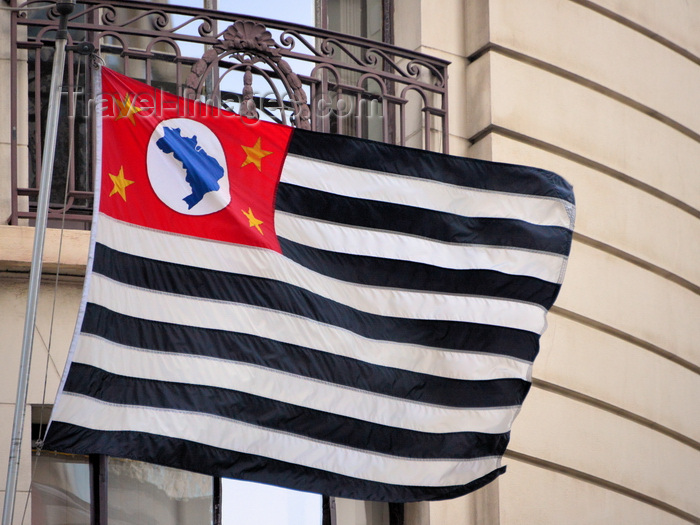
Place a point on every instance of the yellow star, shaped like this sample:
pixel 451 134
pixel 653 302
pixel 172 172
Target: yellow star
pixel 120 183
pixel 252 221
pixel 255 155
pixel 127 108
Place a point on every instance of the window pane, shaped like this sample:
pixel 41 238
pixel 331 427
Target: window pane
pixel 153 495
pixel 60 490
pixel 353 512
pixel 356 17
pixel 299 11
pixel 257 504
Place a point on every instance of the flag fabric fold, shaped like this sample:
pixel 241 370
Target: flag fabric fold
pixel 312 311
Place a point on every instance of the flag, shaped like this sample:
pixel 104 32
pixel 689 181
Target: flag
pixel 313 311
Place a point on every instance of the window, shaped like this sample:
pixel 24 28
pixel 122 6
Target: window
pixel 61 492
pixel 70 489
pixel 366 18
pixel 353 512
pixel 150 494
pixel 64 485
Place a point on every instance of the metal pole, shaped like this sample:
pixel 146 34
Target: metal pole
pixel 64 8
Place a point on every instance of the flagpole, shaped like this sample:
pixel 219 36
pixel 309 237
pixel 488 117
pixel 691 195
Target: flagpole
pixel 64 8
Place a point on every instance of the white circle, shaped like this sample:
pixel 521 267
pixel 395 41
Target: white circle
pixel 167 174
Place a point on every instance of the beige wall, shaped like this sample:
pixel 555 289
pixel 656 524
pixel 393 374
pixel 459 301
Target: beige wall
pixel 57 311
pixel 5 130
pixel 605 93
pixel 45 368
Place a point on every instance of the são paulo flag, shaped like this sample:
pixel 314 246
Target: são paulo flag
pixel 313 311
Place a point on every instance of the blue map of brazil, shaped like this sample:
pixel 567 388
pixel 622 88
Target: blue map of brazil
pixel 203 171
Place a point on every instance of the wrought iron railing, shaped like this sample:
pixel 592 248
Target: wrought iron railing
pixel 297 75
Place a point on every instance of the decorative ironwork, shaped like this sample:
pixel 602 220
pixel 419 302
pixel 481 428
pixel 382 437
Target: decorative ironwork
pixel 250 42
pixel 307 77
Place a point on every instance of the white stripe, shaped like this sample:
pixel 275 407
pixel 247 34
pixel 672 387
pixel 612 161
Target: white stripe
pixel 259 262
pixel 289 388
pixel 421 193
pixel 254 261
pixel 233 435
pixel 390 245
pixel 247 320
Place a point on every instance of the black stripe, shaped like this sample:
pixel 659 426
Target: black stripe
pixel 285 357
pixel 374 271
pixel 276 295
pixel 434 225
pixel 473 173
pixel 282 417
pixel 214 461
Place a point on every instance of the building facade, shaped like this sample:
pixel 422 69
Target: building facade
pixel 603 92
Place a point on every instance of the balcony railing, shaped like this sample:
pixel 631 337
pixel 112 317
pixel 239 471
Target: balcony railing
pixel 273 70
